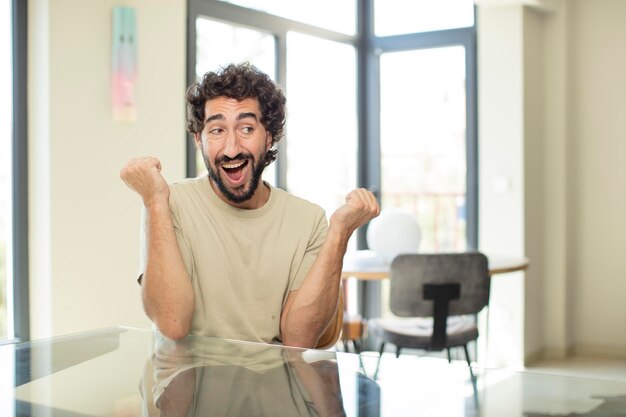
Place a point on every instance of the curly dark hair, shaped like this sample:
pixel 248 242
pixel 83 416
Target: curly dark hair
pixel 239 82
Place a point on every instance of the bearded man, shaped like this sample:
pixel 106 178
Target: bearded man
pixel 227 254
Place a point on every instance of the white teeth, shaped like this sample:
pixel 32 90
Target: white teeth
pixel 233 165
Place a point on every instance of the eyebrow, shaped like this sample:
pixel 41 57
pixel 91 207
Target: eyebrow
pixel 247 115
pixel 240 116
pixel 218 116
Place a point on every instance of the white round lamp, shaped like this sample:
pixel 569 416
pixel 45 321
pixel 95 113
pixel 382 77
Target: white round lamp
pixel 393 232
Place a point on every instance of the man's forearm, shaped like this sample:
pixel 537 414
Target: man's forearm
pixel 309 312
pixel 314 306
pixel 166 288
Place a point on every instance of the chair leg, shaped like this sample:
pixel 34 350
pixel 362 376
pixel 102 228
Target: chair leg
pixel 380 356
pixel 473 378
pixel 449 357
pixel 469 365
pixel 398 352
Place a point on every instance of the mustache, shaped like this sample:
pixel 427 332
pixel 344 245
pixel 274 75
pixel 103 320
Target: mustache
pixel 240 156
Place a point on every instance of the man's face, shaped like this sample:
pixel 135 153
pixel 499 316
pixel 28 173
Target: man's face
pixel 233 144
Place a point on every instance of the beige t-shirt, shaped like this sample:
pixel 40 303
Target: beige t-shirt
pixel 243 263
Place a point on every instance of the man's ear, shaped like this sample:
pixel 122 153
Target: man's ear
pixel 197 138
pixel 268 142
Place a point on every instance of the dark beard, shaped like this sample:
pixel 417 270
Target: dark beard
pixel 257 171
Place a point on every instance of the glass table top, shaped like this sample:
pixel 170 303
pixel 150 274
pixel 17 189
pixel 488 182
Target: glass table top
pixel 123 372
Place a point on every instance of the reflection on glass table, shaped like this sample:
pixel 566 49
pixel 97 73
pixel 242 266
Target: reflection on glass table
pixel 229 378
pixel 129 372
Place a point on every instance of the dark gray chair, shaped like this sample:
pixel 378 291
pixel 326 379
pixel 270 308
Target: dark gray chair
pixel 443 288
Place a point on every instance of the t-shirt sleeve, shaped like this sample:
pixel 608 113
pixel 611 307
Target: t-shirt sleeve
pixel 315 242
pixel 183 244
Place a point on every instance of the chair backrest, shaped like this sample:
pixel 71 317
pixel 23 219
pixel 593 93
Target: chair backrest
pixel 409 273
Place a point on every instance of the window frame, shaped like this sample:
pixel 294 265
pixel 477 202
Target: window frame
pixel 256 20
pixel 368 49
pixel 371 47
pixel 465 37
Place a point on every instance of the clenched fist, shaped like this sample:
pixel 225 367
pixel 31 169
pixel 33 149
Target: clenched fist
pixel 361 207
pixel 143 175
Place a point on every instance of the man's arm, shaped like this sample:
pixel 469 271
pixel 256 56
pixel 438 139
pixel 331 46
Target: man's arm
pixel 311 309
pixel 167 293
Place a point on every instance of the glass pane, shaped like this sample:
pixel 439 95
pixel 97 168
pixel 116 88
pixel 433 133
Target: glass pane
pixel 322 125
pixel 6 123
pixel 423 148
pixel 395 17
pixel 336 15
pixel 219 44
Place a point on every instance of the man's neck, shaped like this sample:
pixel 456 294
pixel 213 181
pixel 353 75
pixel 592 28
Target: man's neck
pixel 258 200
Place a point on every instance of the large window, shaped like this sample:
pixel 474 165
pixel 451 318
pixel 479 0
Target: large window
pixel 316 69
pixel 321 124
pixel 423 142
pixel 380 94
pixel 427 141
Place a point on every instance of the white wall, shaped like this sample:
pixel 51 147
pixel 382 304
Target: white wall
pixel 535 172
pixel 597 136
pixel 551 98
pixel 501 171
pixel 84 221
pixel 551 332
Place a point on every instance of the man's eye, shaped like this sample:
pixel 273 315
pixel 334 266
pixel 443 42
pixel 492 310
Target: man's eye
pixel 247 129
pixel 216 131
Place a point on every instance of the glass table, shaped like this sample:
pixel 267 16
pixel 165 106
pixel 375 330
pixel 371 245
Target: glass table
pixel 123 372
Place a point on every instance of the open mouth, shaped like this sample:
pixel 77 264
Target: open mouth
pixel 235 170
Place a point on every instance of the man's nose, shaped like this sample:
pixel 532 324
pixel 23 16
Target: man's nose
pixel 232 147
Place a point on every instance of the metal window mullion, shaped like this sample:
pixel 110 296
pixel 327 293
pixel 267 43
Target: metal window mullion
pixel 368 164
pixel 281 77
pixel 20 174
pixel 423 40
pixel 471 97
pixel 192 12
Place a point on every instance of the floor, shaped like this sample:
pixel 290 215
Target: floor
pixel 608 369
pixel 599 389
